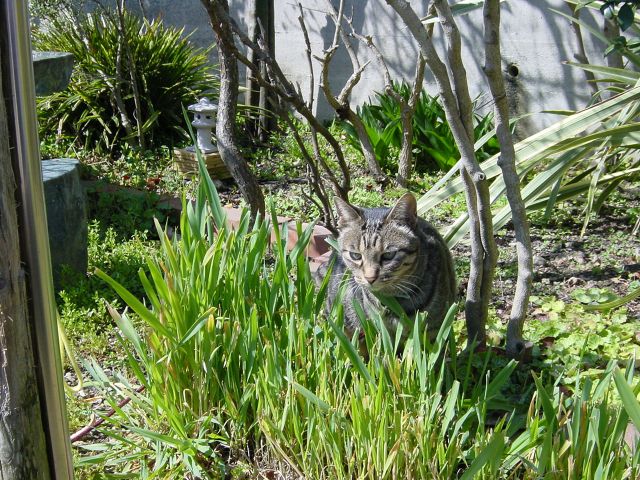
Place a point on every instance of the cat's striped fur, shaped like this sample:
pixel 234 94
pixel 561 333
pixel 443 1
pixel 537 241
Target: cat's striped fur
pixel 393 252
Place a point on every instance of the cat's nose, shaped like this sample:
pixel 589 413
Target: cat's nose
pixel 371 278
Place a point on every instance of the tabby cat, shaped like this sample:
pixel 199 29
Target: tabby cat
pixel 392 252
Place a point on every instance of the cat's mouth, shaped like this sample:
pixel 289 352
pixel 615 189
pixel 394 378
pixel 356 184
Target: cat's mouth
pixel 379 285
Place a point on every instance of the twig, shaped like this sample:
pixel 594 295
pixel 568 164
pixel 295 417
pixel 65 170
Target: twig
pixel 84 431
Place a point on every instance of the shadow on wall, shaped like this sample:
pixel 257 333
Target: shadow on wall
pixel 535 43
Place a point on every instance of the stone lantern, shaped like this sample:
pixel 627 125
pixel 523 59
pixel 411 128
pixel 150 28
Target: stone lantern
pixel 204 122
pixel 186 159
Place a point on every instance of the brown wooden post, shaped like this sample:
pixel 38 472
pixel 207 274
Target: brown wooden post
pixel 34 440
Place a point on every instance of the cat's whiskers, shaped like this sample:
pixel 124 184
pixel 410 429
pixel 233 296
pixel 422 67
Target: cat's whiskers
pixel 406 289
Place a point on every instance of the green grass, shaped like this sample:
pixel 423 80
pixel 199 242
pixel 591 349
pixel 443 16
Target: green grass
pixel 242 371
pixel 81 299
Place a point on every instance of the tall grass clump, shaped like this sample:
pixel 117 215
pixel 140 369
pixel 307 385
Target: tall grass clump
pixel 233 362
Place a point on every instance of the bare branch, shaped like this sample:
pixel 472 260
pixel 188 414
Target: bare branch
pixel 278 83
pixel 454 58
pixel 407 106
pixel 341 102
pixel 307 43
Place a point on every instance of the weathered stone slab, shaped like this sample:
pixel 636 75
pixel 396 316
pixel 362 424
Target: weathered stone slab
pixel 66 215
pixel 51 71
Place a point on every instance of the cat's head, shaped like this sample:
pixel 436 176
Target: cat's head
pixel 379 245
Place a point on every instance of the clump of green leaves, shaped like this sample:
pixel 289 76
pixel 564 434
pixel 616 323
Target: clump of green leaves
pixel 127 211
pixel 433 143
pixel 578 339
pixel 168 70
pixel 622 11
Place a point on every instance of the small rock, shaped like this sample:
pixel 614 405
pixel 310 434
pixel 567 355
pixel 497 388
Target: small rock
pixel 558 247
pixel 539 261
pixel 573 281
pixel 573 245
pixel 546 281
pixel 580 258
pixel 631 436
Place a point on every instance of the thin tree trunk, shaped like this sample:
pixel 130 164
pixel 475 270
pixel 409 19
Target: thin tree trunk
pixel 225 124
pixel 516 347
pixel 458 109
pixel 23 454
pixel 117 92
pixel 133 76
pixel 611 30
pixel 408 109
pixel 260 24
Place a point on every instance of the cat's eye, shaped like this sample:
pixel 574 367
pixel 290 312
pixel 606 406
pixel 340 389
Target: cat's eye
pixel 388 255
pixel 355 256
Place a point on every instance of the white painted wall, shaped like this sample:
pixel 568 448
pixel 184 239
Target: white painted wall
pixel 534 39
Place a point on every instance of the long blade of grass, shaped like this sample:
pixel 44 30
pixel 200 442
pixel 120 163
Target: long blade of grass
pixel 628 397
pixel 136 305
pixel 310 396
pixel 489 455
pixel 618 302
pixel 622 75
pixel 351 352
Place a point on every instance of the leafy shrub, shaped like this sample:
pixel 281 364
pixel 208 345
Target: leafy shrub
pixel 433 143
pixel 169 71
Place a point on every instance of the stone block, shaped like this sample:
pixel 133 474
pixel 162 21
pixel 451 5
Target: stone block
pixel 65 201
pixel 51 71
pixel 187 163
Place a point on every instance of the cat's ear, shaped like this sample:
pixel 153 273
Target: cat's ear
pixel 404 211
pixel 347 214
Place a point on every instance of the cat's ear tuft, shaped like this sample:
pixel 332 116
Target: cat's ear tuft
pixel 347 213
pixel 405 210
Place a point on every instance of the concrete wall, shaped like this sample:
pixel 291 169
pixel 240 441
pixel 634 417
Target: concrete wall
pixel 535 43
